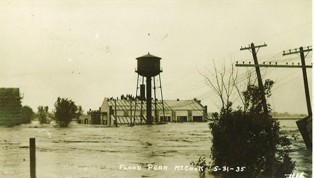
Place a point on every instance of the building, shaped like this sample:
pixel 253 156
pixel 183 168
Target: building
pixel 92 117
pixel 10 106
pixel 130 111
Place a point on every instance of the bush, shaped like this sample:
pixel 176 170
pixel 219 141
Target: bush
pixel 250 140
pixel 43 114
pixel 65 111
pixel 27 114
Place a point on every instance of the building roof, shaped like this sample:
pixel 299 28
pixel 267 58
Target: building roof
pixel 184 104
pixel 126 104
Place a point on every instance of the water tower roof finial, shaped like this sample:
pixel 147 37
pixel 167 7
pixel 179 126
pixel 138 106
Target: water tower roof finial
pixel 149 56
pixel 148 65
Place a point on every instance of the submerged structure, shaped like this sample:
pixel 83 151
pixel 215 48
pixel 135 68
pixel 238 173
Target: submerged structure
pixel 10 106
pixel 122 111
pixel 145 108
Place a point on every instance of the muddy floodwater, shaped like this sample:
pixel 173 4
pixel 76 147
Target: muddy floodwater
pixel 84 151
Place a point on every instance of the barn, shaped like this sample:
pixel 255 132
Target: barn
pixel 131 111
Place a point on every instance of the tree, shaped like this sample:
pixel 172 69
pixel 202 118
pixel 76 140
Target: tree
pixel 253 99
pixel 65 111
pixel 27 114
pixel 222 85
pixel 247 137
pixel 43 114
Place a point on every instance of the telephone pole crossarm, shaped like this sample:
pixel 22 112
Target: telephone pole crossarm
pixel 250 47
pixel 272 65
pixel 297 51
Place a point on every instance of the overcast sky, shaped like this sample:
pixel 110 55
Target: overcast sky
pixel 86 50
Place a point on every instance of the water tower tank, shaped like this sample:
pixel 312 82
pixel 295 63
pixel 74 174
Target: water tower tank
pixel 148 65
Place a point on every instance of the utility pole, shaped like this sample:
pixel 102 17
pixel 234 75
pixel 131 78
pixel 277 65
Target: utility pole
pixel 305 124
pixel 252 48
pixel 306 85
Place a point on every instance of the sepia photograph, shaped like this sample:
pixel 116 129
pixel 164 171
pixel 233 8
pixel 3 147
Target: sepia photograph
pixel 156 89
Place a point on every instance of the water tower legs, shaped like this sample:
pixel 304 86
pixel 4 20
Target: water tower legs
pixel 149 100
pixel 149 66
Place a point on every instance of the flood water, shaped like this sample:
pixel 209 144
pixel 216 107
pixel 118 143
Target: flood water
pixel 84 151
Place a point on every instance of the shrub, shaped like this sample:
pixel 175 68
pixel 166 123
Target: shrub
pixel 27 114
pixel 252 141
pixel 65 111
pixel 43 114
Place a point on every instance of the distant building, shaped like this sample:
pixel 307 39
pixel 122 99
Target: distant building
pixel 92 117
pixel 127 111
pixel 84 119
pixel 10 106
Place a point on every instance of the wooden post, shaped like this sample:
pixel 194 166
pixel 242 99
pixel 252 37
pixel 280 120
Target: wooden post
pixel 115 113
pixel 131 113
pixel 162 102
pixel 32 155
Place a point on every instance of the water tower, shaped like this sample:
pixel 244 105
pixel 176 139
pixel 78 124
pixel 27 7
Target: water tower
pixel 148 66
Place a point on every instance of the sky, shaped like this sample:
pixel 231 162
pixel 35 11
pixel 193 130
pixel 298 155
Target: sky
pixel 86 50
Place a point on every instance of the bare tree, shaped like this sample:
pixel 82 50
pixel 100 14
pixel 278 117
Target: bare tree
pixel 224 83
